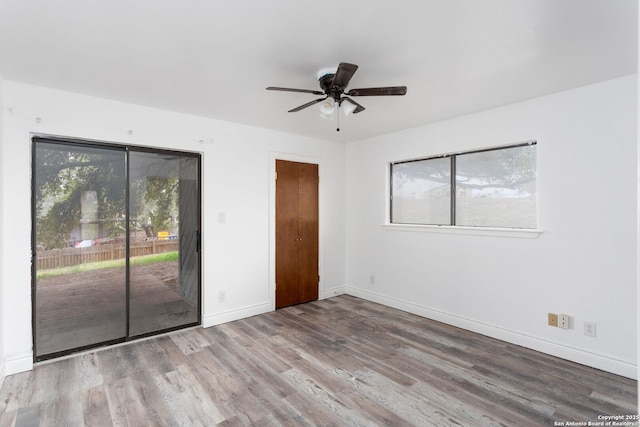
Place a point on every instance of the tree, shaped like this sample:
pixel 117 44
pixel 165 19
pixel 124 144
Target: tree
pixel 161 194
pixel 62 174
pixel 513 167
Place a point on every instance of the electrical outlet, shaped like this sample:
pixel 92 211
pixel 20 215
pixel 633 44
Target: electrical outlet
pixel 553 319
pixel 222 296
pixel 563 321
pixel 590 329
pixel 372 280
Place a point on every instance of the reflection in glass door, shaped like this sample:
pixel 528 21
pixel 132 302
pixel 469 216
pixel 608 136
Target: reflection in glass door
pixel 79 234
pixel 163 204
pixel 115 244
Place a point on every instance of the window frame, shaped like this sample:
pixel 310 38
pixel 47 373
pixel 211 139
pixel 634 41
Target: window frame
pixel 452 227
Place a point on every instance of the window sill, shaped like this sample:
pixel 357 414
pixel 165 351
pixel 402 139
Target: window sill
pixel 520 233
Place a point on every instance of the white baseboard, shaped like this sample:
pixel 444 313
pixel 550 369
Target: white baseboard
pixel 2 372
pixel 573 354
pixel 15 365
pixel 243 312
pixel 235 314
pixel 332 292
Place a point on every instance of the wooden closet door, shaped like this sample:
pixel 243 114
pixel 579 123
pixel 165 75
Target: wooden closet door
pixel 296 233
pixel 308 232
pixel 287 195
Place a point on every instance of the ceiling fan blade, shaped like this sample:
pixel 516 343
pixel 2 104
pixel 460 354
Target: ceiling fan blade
pixel 286 89
pixel 308 104
pixel 359 107
pixel 343 74
pixel 379 91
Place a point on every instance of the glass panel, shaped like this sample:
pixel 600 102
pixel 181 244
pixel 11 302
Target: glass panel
pixel 497 188
pixel 421 192
pixel 79 206
pixel 164 224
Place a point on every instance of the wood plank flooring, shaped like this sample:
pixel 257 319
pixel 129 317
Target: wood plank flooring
pixel 341 362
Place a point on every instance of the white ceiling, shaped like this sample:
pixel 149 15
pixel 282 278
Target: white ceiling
pixel 215 58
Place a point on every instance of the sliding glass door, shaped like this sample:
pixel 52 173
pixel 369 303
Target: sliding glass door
pixel 164 209
pixel 115 244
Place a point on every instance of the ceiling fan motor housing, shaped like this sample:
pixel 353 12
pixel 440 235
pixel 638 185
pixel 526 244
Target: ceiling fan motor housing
pixel 326 83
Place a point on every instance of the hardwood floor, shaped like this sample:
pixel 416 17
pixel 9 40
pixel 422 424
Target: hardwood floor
pixel 341 361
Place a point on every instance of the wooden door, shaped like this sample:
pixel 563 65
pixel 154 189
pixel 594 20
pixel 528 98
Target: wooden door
pixel 296 233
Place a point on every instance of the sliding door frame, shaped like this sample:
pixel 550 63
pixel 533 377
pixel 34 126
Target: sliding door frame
pixel 127 149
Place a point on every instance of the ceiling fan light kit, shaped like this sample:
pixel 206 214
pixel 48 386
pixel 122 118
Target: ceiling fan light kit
pixel 334 82
pixel 347 106
pixel 327 107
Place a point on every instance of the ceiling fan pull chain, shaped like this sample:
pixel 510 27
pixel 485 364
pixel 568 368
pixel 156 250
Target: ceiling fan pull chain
pixel 338 118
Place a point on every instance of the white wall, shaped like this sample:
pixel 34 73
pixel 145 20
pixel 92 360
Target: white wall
pixel 236 164
pixel 2 325
pixel 638 200
pixel 584 264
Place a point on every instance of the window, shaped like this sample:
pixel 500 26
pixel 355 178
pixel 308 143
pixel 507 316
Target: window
pixel 489 188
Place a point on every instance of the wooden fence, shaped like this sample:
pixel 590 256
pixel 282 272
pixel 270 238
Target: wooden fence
pixel 57 258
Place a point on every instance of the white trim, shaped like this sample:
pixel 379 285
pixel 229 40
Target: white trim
pixel 236 314
pixel 333 292
pixel 522 233
pixel 605 363
pixel 18 364
pixel 293 157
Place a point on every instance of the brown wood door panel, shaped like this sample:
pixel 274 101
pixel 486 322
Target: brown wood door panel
pixel 296 233
pixel 308 226
pixel 286 234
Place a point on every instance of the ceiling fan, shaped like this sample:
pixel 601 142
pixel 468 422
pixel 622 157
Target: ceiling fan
pixel 333 83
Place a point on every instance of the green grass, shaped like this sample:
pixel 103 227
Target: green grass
pixel 92 266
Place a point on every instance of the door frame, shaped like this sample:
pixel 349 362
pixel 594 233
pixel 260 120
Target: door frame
pixel 300 158
pixel 127 149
